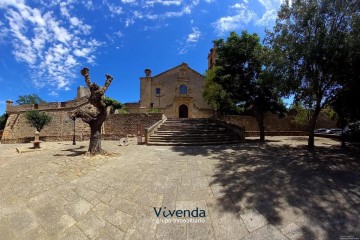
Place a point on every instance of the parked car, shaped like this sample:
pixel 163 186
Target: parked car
pixel 337 131
pixel 320 130
pixel 352 132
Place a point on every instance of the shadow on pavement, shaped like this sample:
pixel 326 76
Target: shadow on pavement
pixel 73 152
pixel 322 185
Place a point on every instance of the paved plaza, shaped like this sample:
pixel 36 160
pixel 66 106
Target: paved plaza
pixel 276 190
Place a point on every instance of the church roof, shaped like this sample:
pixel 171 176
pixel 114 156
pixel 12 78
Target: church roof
pixel 179 66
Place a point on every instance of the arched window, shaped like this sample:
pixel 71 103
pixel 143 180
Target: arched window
pixel 183 89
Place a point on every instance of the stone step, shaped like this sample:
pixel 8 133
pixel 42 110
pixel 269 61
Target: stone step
pixel 202 143
pixel 192 132
pixel 220 141
pixel 214 135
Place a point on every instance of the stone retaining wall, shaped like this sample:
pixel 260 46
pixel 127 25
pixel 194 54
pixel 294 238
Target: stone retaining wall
pixel 275 126
pixel 17 130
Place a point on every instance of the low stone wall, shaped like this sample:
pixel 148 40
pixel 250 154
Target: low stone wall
pixel 17 130
pixel 119 125
pixel 276 133
pixel 275 126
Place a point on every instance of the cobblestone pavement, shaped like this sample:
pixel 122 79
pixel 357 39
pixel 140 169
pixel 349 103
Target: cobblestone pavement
pixel 277 190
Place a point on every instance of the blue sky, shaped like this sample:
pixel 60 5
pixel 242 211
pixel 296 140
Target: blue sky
pixel 45 43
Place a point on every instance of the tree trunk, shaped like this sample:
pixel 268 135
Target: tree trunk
pixel 95 138
pixel 95 134
pixel 311 139
pixel 260 121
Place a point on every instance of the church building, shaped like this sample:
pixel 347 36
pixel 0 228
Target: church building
pixel 176 92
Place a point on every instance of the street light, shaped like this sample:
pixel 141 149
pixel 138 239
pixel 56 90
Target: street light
pixel 159 96
pixel 74 141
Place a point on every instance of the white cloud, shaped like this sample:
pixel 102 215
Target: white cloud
pixel 194 36
pixel 129 1
pixel 163 2
pixel 243 15
pixel 53 94
pixel 271 8
pixel 88 4
pixel 113 9
pixel 129 21
pixel 52 46
pixel 173 9
pixel 191 40
pixel 119 33
pixel 231 23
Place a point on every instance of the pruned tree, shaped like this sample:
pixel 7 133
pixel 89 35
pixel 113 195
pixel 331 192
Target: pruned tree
pixel 95 113
pixel 309 43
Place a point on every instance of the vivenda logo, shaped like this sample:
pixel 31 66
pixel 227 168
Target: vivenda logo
pixel 180 216
pixel 195 213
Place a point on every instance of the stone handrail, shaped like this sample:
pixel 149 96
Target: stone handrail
pixel 240 131
pixel 150 130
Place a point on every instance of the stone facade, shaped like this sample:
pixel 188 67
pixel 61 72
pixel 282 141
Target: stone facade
pixel 177 93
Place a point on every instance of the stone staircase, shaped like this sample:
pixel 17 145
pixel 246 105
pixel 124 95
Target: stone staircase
pixel 192 131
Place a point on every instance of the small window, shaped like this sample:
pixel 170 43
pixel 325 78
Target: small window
pixel 157 91
pixel 183 89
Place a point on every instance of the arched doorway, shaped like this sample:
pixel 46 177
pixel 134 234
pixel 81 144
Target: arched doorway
pixel 183 111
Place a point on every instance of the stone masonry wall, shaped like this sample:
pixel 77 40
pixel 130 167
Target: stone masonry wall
pixel 119 125
pixel 17 130
pixel 275 125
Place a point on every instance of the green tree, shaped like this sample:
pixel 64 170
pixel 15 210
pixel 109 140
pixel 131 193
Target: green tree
pixel 29 99
pixel 346 103
pixel 309 45
pixel 302 115
pixel 112 102
pixel 3 119
pixel 240 79
pixel 37 119
pixel 216 96
pixel 153 110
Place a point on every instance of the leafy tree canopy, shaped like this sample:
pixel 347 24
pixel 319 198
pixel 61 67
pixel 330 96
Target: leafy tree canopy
pixel 310 51
pixel 240 80
pixel 37 119
pixel 112 102
pixel 217 97
pixel 3 119
pixel 29 99
pixel 346 103
pixel 153 110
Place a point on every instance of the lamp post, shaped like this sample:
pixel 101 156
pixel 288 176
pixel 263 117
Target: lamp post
pixel 159 96
pixel 74 141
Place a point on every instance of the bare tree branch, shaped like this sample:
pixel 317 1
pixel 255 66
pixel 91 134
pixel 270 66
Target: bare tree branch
pixel 109 78
pixel 85 73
